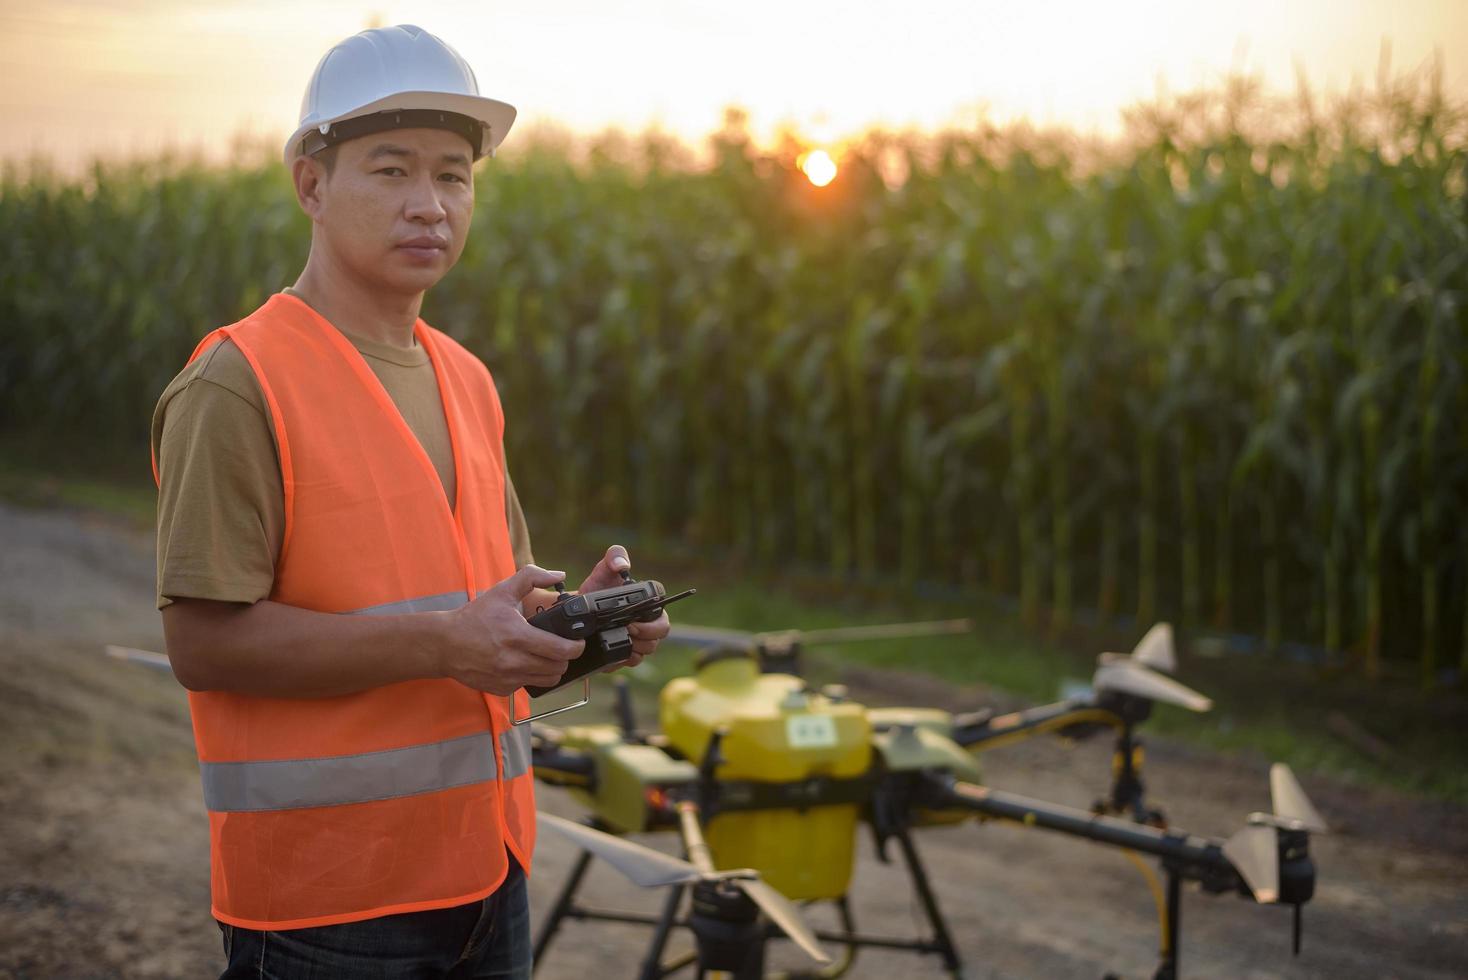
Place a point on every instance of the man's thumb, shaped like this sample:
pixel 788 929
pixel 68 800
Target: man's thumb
pixel 518 586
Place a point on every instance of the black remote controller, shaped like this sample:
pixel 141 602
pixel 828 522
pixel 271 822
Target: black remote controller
pixel 601 619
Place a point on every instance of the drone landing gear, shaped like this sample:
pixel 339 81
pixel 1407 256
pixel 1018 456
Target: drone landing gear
pixel 942 943
pixel 652 964
pixel 1167 968
pixel 654 967
pixel 564 906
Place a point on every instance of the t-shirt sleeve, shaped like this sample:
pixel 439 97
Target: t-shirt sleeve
pixel 221 504
pixel 519 529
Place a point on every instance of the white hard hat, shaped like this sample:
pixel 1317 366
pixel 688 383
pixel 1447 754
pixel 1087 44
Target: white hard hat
pixel 390 78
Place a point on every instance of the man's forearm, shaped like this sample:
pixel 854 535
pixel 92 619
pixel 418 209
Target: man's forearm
pixel 274 650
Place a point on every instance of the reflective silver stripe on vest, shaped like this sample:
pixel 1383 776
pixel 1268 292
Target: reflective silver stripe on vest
pixel 515 748
pixel 430 603
pixel 233 787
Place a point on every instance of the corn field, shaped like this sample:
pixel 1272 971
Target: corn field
pixel 1217 371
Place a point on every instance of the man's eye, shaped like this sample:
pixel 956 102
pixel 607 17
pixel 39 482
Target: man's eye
pixel 391 171
pixel 453 177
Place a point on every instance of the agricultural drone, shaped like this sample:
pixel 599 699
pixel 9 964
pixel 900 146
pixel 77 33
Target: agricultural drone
pixel 766 780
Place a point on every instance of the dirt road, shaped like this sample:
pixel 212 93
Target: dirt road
pixel 103 853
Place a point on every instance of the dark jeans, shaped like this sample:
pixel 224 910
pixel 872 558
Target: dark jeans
pixel 469 942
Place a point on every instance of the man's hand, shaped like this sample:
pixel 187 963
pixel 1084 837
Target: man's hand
pixel 645 636
pixel 491 646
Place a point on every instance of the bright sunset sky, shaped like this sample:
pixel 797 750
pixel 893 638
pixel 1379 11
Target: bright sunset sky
pixel 80 77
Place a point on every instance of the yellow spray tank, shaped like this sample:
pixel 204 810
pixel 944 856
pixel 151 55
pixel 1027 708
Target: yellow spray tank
pixel 775 734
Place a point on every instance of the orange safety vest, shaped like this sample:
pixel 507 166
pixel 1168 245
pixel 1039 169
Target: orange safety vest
pixel 398 798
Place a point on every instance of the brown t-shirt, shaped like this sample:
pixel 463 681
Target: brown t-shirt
pixel 221 504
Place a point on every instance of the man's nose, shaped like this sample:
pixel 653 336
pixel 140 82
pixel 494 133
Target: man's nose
pixel 423 202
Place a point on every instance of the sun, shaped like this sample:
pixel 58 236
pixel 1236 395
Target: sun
pixel 818 166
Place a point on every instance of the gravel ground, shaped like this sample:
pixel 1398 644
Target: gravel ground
pixel 103 867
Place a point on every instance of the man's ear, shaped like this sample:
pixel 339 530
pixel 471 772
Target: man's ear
pixel 310 179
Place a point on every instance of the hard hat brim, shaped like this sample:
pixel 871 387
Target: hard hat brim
pixel 496 116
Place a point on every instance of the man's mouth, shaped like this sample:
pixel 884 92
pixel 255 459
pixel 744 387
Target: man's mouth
pixel 424 246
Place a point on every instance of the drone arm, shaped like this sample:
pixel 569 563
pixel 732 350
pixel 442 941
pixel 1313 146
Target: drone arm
pixel 699 853
pixel 558 765
pixel 1018 725
pixel 1193 857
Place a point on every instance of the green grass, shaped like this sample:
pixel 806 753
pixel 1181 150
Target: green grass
pixel 40 474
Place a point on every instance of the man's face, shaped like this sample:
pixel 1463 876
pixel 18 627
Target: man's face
pixel 395 208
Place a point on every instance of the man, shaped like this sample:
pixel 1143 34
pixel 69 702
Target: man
pixel 338 545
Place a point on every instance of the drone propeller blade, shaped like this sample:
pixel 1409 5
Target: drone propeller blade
pixel 1156 649
pixel 1132 678
pixel 1290 801
pixel 784 913
pixel 713 636
pixel 133 655
pixel 709 636
pixel 888 631
pixel 1254 853
pixel 642 865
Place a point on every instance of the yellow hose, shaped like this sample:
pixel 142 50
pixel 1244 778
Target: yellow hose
pixel 1156 888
